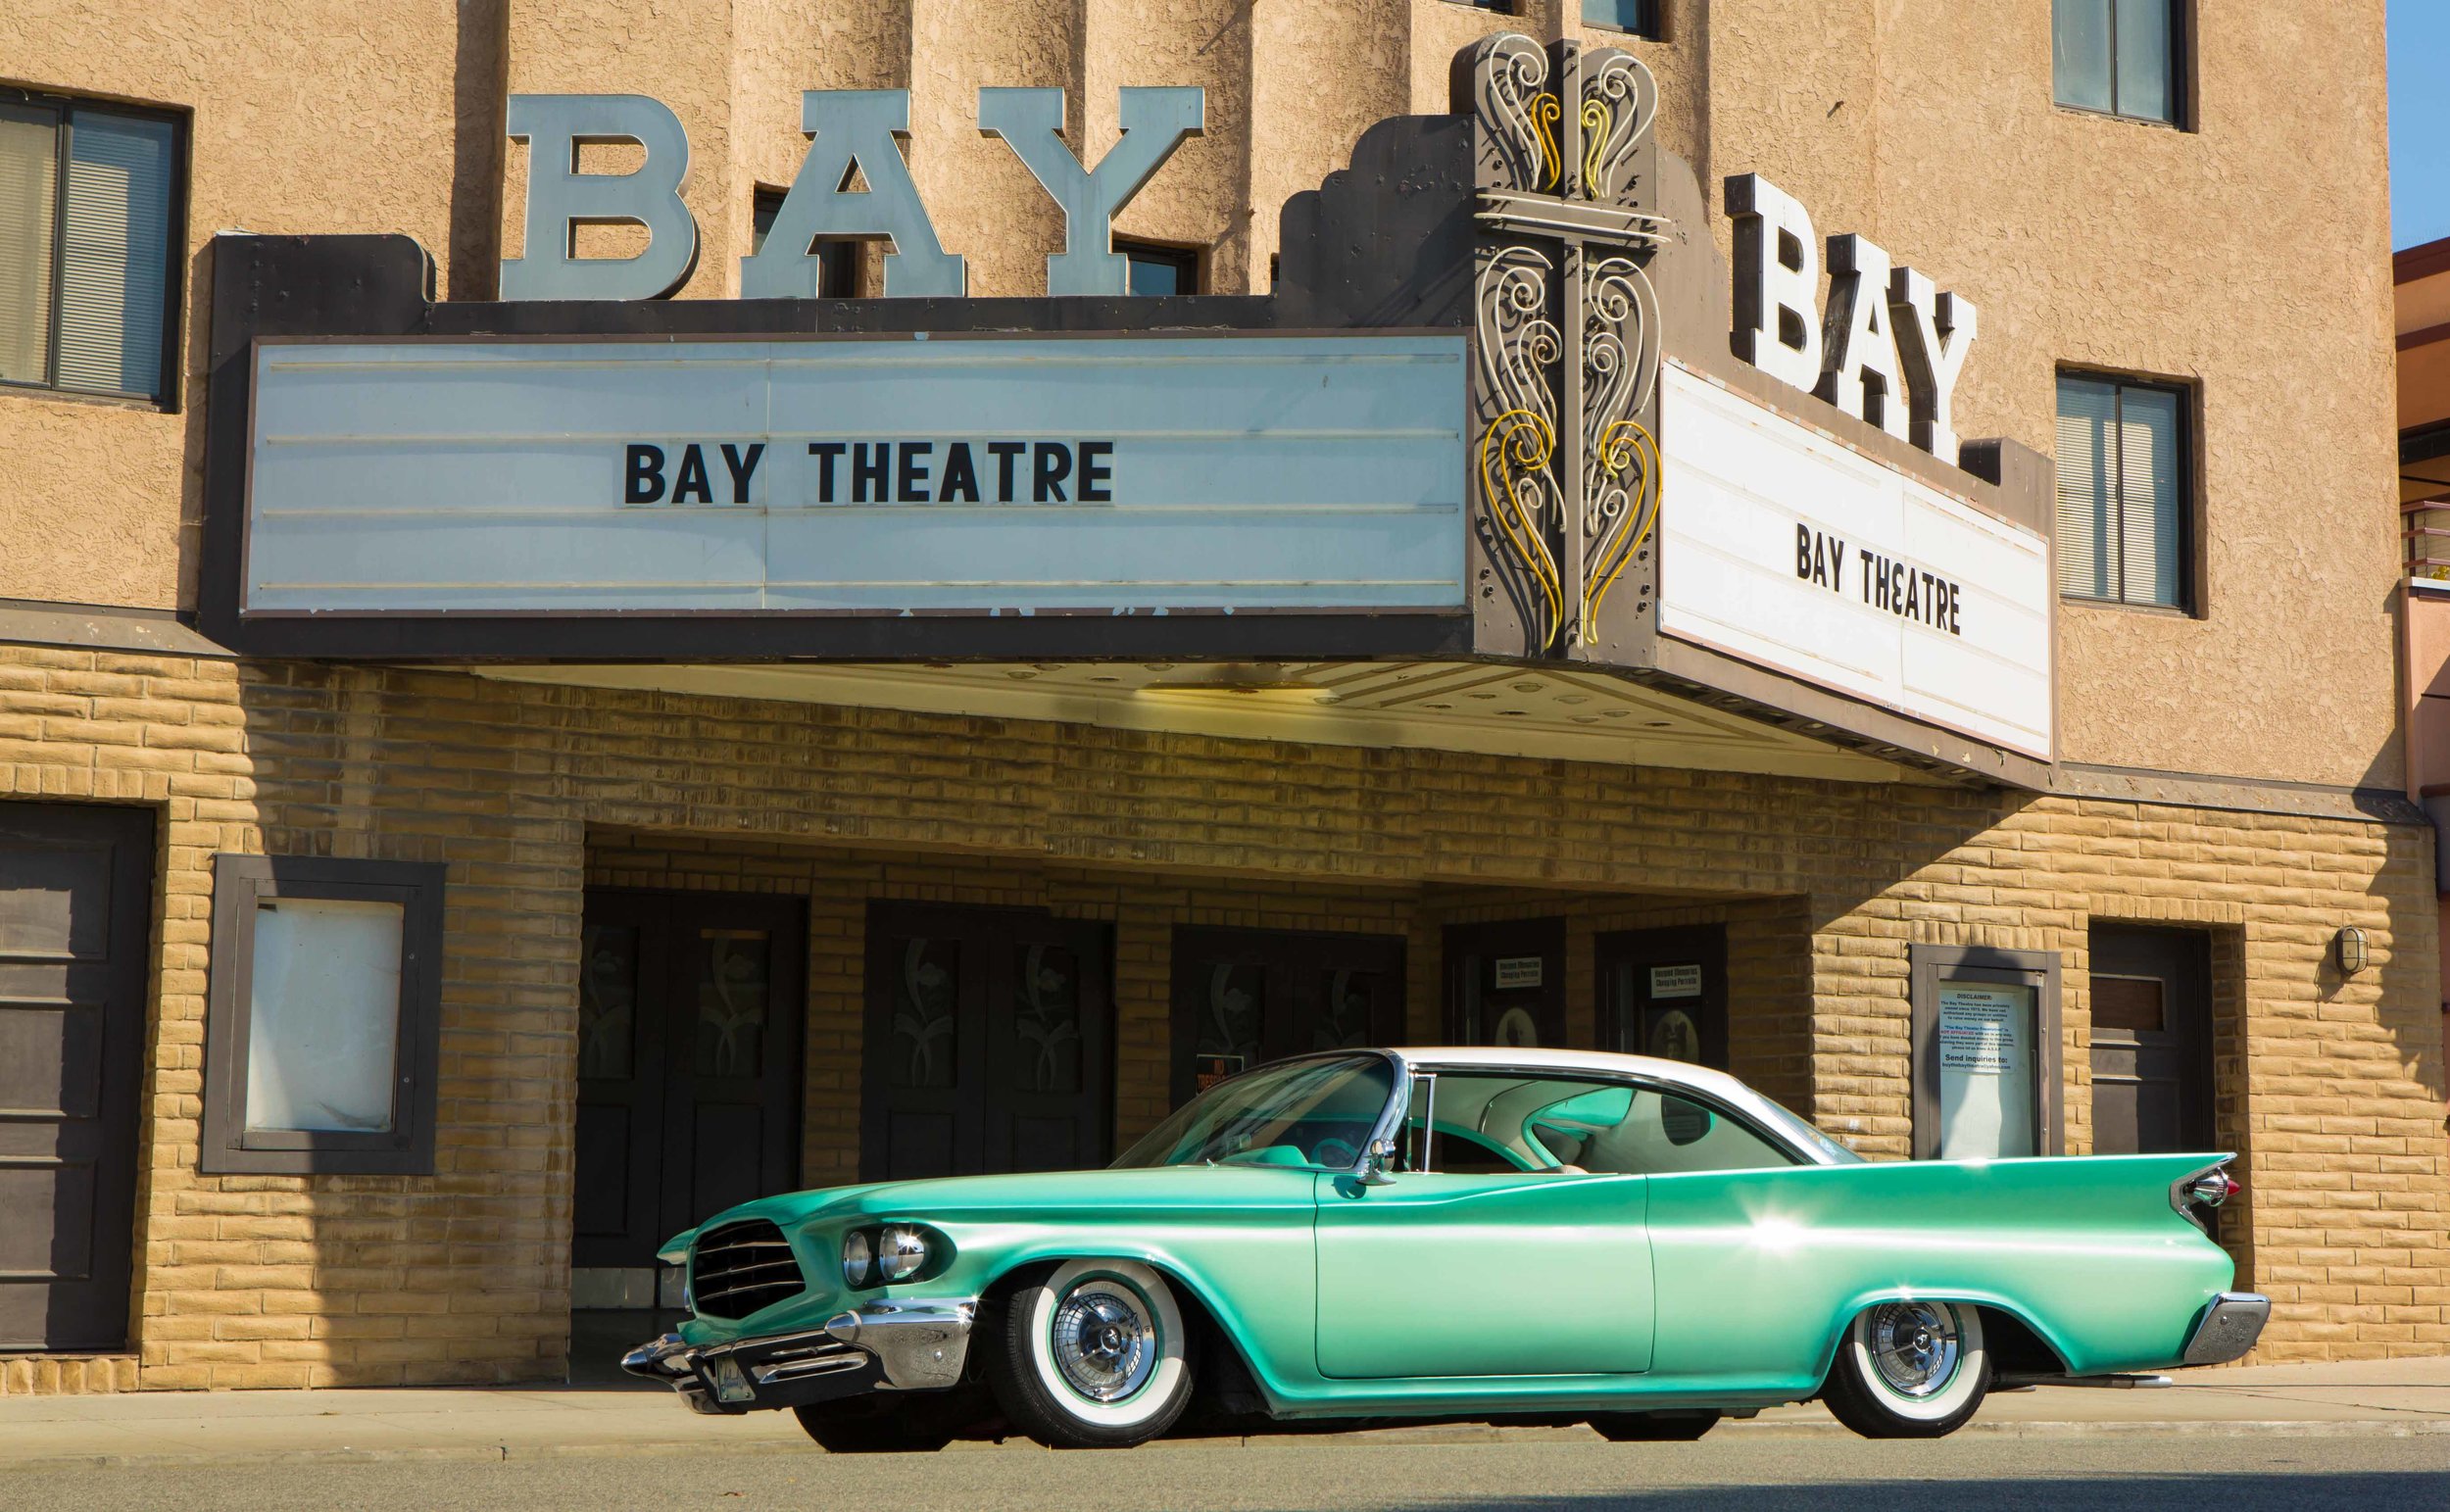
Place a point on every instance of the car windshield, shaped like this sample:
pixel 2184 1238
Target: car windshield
pixel 1313 1113
pixel 1794 1123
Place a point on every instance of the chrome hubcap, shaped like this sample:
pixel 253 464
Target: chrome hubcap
pixel 1104 1342
pixel 1915 1347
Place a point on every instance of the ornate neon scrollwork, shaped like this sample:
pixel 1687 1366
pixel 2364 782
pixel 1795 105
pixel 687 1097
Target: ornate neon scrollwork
pixel 1620 100
pixel 1509 77
pixel 1521 499
pixel 1620 481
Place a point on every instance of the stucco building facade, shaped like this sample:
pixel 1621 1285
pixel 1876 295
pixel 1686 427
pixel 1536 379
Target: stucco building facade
pixel 1403 844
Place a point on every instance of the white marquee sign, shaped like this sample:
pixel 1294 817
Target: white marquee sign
pixel 857 475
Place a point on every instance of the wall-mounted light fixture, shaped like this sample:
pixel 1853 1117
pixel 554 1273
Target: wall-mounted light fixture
pixel 2348 949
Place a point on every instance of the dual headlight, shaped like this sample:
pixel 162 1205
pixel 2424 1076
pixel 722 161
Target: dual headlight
pixel 895 1252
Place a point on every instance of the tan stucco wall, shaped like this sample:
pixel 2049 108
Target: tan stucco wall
pixel 2202 255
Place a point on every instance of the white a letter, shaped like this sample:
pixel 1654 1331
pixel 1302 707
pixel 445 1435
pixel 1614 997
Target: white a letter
pixel 1860 376
pixel 847 128
pixel 1778 282
pixel 1031 123
pixel 1934 331
pixel 560 196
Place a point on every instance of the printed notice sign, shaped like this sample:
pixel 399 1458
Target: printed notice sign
pixel 1515 972
pixel 1985 1046
pixel 1676 981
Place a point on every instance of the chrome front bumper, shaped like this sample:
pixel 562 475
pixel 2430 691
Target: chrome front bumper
pixel 890 1346
pixel 2228 1328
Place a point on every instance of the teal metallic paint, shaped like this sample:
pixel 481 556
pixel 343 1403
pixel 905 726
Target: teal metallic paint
pixel 1755 1274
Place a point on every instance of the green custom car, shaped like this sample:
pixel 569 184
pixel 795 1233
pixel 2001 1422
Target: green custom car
pixel 1461 1233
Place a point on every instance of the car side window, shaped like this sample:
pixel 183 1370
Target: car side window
pixel 1658 1133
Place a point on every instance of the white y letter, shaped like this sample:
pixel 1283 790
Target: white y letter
pixel 1031 123
pixel 560 196
pixel 1935 330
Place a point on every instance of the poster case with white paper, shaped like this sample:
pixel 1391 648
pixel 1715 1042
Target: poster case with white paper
pixel 1987 1056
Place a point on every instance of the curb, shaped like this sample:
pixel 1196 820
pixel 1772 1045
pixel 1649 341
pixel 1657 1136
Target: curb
pixel 499 1454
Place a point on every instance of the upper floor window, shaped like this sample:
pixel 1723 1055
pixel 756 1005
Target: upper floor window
pixel 2119 57
pixel 89 206
pixel 1160 271
pixel 2122 515
pixel 1641 18
pixel 837 262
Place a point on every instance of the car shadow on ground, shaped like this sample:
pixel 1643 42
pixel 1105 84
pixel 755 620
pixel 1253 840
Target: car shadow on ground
pixel 2363 1491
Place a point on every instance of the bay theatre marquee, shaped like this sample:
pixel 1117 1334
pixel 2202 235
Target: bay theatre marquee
pixel 1505 404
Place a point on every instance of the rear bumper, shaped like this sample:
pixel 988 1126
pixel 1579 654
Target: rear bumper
pixel 2228 1328
pixel 888 1347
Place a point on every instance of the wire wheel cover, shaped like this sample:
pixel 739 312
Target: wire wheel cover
pixel 1104 1342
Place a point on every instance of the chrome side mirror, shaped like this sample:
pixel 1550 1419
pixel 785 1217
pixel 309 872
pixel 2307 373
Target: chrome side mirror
pixel 1374 1165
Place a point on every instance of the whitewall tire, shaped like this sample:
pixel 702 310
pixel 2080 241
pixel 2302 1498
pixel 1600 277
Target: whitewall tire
pixel 1913 1369
pixel 1094 1356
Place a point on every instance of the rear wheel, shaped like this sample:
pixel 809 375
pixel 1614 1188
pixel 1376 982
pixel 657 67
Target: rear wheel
pixel 1909 1369
pixel 1653 1426
pixel 1093 1357
pixel 885 1424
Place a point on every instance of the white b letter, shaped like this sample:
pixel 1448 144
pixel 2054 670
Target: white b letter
pixel 560 196
pixel 1778 278
pixel 848 126
pixel 1856 339
pixel 1935 330
pixel 1031 123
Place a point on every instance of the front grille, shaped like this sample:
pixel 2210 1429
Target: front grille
pixel 740 1267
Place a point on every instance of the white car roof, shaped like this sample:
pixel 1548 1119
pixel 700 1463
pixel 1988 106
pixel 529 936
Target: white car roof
pixel 1678 1073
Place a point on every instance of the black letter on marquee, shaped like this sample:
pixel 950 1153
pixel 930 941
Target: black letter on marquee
pixel 959 475
pixel 743 468
pixel 692 475
pixel 1804 551
pixel 1096 472
pixel 646 476
pixel 914 457
pixel 1048 469
pixel 825 452
pixel 868 466
pixel 1005 452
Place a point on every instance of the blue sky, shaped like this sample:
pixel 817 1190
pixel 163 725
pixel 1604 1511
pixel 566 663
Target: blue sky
pixel 2420 120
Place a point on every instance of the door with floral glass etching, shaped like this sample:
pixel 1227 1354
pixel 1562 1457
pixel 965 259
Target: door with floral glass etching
pixel 689 1068
pixel 987 1041
pixel 1243 996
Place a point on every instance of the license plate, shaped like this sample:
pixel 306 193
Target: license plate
pixel 730 1384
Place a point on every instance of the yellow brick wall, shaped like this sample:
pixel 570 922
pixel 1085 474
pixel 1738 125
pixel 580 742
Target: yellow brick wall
pixel 463 1276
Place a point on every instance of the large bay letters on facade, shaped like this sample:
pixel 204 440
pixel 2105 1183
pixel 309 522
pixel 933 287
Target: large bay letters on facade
pixel 847 130
pixel 1893 344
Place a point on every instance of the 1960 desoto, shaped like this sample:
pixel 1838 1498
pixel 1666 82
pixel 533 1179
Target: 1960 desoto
pixel 1638 1243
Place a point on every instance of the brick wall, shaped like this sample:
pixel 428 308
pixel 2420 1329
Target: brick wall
pixel 463 1276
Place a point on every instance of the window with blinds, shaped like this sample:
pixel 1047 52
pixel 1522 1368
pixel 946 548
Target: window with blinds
pixel 2118 56
pixel 2122 507
pixel 88 271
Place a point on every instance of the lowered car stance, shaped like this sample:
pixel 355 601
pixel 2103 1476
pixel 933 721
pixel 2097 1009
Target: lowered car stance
pixel 1452 1233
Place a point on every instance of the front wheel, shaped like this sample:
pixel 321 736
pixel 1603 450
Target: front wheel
pixel 1909 1369
pixel 1093 1357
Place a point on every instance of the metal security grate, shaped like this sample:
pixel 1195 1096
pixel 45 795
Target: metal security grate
pixel 740 1267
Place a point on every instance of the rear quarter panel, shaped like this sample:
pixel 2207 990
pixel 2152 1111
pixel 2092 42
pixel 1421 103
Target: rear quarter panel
pixel 1759 1272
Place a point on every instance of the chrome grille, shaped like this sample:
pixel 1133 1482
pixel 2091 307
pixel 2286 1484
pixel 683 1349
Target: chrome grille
pixel 740 1267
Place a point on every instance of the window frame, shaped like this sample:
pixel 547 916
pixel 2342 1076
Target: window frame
pixel 2188 549
pixel 1191 261
pixel 2182 72
pixel 239 883
pixel 63 108
pixel 1651 28
pixel 1772 1139
pixel 1931 965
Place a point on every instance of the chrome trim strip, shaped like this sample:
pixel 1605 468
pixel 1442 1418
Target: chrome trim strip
pixel 2228 1328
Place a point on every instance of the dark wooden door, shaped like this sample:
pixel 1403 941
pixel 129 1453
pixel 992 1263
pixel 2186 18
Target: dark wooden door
pixel 689 1068
pixel 988 1042
pixel 2151 992
pixel 75 919
pixel 1244 996
pixel 1505 983
pixel 1663 992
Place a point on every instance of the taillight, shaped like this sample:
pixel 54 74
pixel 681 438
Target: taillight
pixel 2206 1188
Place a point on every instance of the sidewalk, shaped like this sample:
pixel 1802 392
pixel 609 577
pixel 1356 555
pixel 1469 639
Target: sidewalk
pixel 2394 1398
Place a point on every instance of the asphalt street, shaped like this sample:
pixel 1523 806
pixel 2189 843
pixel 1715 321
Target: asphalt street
pixel 2237 1472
